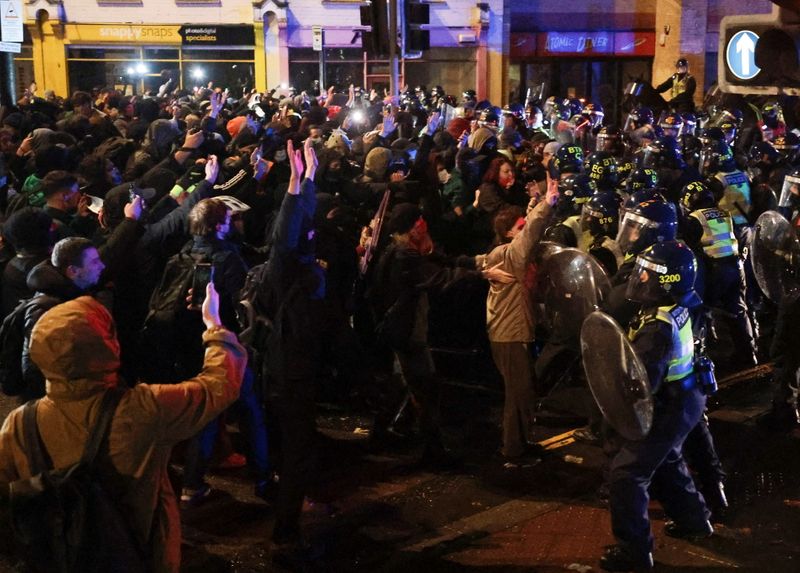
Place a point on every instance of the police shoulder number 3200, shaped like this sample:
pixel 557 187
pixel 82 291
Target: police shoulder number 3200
pixel 667 279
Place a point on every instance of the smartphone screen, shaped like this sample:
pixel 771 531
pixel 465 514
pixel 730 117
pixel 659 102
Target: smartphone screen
pixel 203 273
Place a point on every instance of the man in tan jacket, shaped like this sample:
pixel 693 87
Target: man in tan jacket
pixel 75 346
pixel 509 315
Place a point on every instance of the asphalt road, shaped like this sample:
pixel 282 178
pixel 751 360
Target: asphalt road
pixel 384 513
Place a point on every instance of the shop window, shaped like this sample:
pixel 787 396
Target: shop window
pixel 237 77
pixel 170 54
pixel 194 54
pixel 451 68
pixel 343 66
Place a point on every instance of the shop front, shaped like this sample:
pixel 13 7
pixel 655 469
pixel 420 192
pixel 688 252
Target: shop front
pixel 594 66
pixel 140 58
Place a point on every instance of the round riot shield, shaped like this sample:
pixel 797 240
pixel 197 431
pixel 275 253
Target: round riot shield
pixel 616 376
pixel 775 251
pixel 573 286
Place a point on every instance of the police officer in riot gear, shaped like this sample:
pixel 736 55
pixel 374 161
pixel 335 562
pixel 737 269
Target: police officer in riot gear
pixel 730 186
pixel 601 167
pixel 609 138
pixel 641 178
pixel 663 283
pixel 600 217
pixel 788 146
pixel 575 189
pixel 651 221
pixel 639 127
pixel 568 159
pixel 665 157
pixel 789 202
pixel 681 87
pixel 708 230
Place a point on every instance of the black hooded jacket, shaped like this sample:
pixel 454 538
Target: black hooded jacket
pixel 52 288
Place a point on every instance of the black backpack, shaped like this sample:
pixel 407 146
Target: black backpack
pixel 168 323
pixel 64 520
pixel 12 342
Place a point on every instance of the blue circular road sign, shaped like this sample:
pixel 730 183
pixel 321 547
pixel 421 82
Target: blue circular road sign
pixel 740 55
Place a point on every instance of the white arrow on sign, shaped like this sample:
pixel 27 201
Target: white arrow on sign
pixel 745 46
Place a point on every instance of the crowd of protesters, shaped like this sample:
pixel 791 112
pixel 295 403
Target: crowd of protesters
pixel 347 219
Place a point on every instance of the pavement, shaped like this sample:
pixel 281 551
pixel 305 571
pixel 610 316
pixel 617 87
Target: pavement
pixel 385 513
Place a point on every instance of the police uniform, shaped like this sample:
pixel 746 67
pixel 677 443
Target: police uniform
pixel 681 88
pixel 710 233
pixel 662 338
pixel 569 233
pixel 607 253
pixel 736 198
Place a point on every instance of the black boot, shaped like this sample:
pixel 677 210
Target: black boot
pixel 617 558
pixel 674 529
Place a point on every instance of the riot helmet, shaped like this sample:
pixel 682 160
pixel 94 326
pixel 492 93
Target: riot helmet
pixel 600 215
pixel 638 197
pixel 437 91
pixel 790 192
pixel 696 195
pixel 625 167
pixel 515 109
pixel 787 145
pixel 601 167
pixel 662 153
pixel 609 138
pixel 572 107
pixel 715 157
pixel 664 272
pixel 729 130
pixel 569 159
pixel 672 125
pixel 469 95
pixel 689 123
pixel 647 223
pixel 594 113
pixel 642 116
pixel 711 134
pixel 534 116
pixel 682 63
pixel 641 178
pixel 772 114
pixel 574 190
pixel 490 117
pixel 763 152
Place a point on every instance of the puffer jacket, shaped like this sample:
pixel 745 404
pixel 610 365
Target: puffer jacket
pixel 51 288
pixel 75 346
pixel 509 310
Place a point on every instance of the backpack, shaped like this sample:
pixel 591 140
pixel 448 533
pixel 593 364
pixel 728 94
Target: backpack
pixel 64 520
pixel 168 322
pixel 12 343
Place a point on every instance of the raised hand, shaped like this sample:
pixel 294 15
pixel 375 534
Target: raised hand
pixel 295 161
pixel 311 158
pixel 217 102
pixel 212 169
pixel 552 193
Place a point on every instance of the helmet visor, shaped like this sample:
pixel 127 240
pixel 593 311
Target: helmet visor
pixel 643 283
pixel 631 229
pixel 790 182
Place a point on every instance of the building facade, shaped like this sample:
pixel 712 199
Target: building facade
pixel 502 48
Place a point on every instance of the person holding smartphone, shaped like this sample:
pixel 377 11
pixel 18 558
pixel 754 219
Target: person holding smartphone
pixel 218 261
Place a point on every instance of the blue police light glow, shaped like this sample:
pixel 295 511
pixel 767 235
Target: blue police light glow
pixel 740 55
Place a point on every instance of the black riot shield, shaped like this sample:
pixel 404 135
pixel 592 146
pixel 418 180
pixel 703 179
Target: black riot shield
pixel 775 253
pixel 572 285
pixel 616 376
